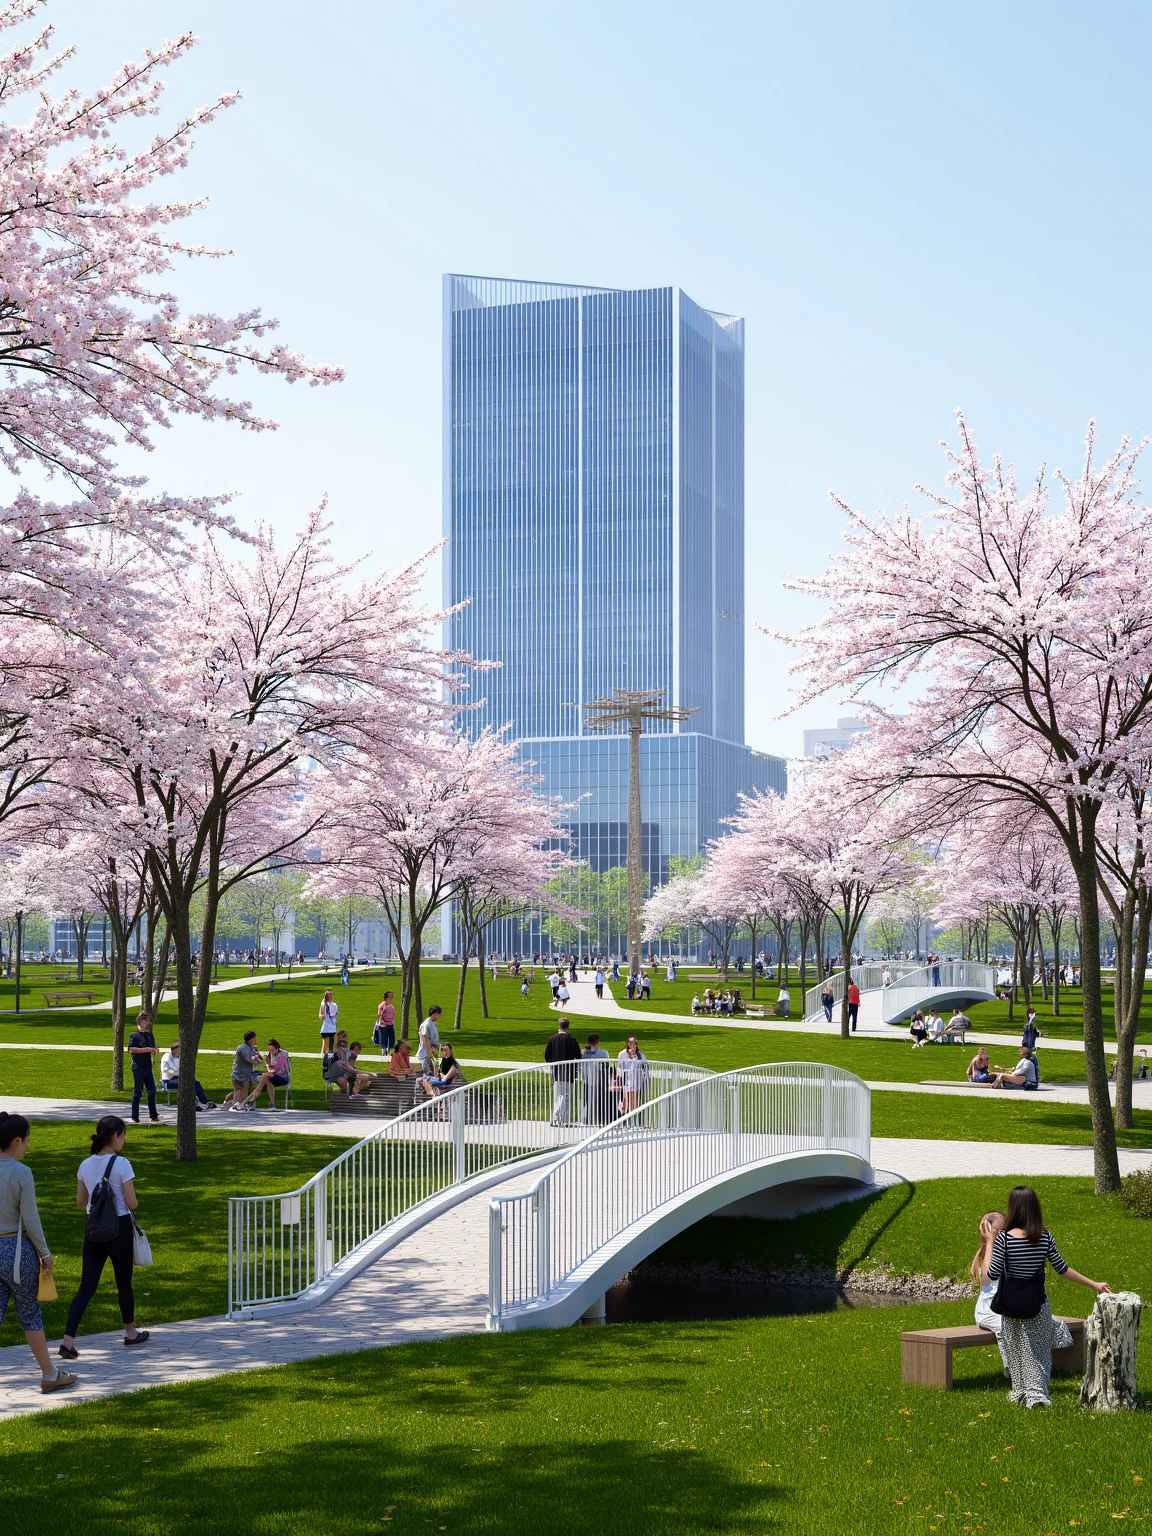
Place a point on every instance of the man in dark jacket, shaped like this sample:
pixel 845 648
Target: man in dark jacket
pixel 561 1053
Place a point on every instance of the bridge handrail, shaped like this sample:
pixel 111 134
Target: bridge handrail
pixel 539 1238
pixel 281 1245
pixel 868 978
pixel 939 976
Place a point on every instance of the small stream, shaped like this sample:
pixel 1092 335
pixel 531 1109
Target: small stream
pixel 644 1301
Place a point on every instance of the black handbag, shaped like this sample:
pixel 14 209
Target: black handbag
pixel 1018 1296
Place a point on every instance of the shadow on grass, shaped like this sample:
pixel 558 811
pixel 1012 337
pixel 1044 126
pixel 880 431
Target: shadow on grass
pixel 470 1436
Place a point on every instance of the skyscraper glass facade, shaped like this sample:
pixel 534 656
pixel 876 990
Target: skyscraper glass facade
pixel 594 508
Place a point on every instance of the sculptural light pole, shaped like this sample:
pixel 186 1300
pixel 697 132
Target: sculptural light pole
pixel 633 706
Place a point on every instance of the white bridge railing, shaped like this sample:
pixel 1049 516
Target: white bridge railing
pixel 867 977
pixel 662 1150
pixel 280 1246
pixel 959 976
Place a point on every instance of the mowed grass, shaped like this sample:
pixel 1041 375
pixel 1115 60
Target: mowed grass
pixel 794 1424
pixel 183 1208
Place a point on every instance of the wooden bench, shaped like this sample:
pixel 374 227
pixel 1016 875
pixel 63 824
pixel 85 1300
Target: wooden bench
pixel 926 1353
pixel 52 998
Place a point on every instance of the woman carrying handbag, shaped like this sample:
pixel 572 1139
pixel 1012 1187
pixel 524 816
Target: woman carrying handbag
pixel 1015 1262
pixel 106 1191
pixel 25 1262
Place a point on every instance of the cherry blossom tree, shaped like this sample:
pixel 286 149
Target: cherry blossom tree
pixel 412 825
pixel 1026 634
pixel 220 735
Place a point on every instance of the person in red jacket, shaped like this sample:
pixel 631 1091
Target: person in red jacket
pixel 853 1003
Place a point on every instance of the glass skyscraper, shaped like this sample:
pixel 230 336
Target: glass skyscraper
pixel 594 510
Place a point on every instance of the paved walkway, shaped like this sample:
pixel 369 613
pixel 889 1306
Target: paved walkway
pixel 583 1001
pixel 427 1289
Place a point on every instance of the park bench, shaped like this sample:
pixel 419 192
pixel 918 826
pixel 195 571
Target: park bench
pixel 926 1353
pixel 53 998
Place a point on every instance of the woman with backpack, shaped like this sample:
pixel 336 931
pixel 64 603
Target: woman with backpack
pixel 105 1188
pixel 24 1253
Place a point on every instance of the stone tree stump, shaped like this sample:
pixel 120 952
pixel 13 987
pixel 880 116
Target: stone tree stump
pixel 1110 1353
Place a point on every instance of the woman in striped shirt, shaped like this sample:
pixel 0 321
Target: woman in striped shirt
pixel 1018 1255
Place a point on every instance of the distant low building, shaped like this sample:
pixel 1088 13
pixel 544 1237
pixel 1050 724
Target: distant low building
pixel 825 740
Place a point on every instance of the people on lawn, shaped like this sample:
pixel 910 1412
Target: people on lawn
pixel 384 1030
pixel 935 1027
pixel 1029 1036
pixel 990 1224
pixel 697 1005
pixel 142 1051
pixel 329 1014
pixel 978 1068
pixel 959 1023
pixel 1014 1265
pixel 429 1046
pixel 170 1077
pixel 277 1074
pixel 106 1161
pixel 247 1067
pixel 1023 1074
pixel 918 1029
pixel 24 1251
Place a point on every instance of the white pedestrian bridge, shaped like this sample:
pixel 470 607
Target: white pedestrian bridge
pixel 892 992
pixel 583 1201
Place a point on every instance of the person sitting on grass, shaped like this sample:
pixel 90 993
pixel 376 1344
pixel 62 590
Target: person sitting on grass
pixel 276 1074
pixel 1023 1074
pixel 978 1071
pixel 935 1026
pixel 400 1064
pixel 918 1029
pixel 170 1077
pixel 697 1005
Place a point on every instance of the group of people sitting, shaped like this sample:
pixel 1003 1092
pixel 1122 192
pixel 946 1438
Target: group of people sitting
pixel 1025 1074
pixel 726 1002
pixel 435 1069
pixel 932 1030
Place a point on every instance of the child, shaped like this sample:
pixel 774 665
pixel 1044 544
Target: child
pixel 990 1224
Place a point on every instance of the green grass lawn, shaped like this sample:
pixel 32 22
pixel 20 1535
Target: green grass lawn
pixel 794 1424
pixel 183 1208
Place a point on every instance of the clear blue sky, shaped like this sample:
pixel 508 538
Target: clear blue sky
pixel 915 206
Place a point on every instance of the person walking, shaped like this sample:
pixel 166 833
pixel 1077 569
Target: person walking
pixel 142 1049
pixel 572 968
pixel 384 1031
pixel 599 982
pixel 1029 1333
pixel 828 999
pixel 554 982
pixel 329 1013
pixel 632 1074
pixel 853 1003
pixel 561 1053
pixel 429 1047
pixel 24 1251
pixel 106 1165
pixel 646 986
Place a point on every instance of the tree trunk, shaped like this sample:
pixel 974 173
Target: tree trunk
pixel 1106 1163
pixel 846 962
pixel 148 973
pixel 119 972
pixel 460 989
pixel 1110 1351
pixel 19 954
pixel 1128 1022
pixel 483 976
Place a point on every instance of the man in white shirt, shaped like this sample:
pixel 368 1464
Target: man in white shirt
pixel 429 1042
pixel 600 980
pixel 935 1027
pixel 1023 1075
pixel 170 1077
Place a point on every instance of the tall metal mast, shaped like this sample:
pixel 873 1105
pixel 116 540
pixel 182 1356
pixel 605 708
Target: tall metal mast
pixel 633 706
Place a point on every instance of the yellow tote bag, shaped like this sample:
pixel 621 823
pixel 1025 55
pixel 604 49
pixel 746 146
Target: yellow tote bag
pixel 46 1287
